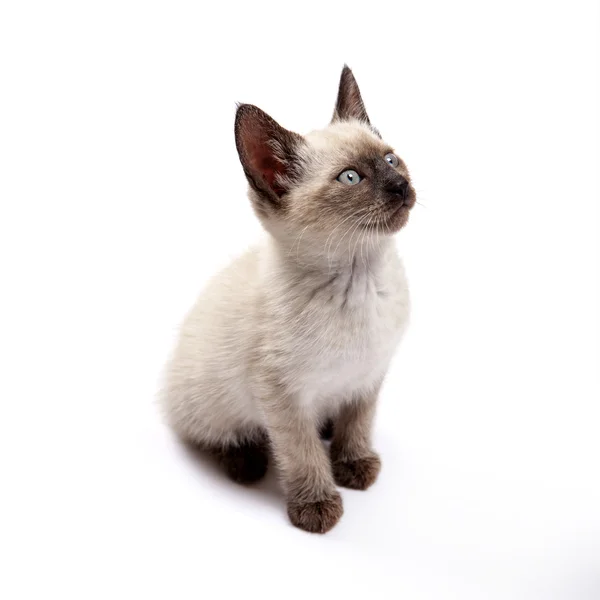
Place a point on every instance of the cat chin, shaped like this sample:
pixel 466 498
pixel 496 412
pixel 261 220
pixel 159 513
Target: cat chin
pixel 399 219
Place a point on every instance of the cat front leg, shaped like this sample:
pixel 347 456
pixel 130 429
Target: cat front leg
pixel 355 464
pixel 313 503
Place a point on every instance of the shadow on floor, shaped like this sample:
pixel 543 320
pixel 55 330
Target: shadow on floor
pixel 266 492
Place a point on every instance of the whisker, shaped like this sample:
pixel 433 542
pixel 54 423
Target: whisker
pixel 298 244
pixel 358 239
pixel 366 237
pixel 330 236
pixel 351 228
pixel 358 224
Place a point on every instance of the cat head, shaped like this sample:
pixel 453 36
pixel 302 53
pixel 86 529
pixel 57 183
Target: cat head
pixel 331 180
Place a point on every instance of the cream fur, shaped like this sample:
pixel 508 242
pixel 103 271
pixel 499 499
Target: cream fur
pixel 267 314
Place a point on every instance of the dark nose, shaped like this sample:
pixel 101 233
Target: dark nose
pixel 398 187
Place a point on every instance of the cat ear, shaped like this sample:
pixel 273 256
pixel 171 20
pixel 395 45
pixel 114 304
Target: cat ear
pixel 268 152
pixel 349 103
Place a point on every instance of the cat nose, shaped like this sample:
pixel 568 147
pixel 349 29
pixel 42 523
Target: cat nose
pixel 399 187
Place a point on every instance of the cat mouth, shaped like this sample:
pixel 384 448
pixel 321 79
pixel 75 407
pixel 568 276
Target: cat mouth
pixel 397 218
pixel 393 213
pixel 391 221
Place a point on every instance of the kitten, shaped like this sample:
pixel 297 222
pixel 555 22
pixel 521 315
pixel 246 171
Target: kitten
pixel 298 333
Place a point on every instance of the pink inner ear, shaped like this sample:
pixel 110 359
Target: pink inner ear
pixel 266 165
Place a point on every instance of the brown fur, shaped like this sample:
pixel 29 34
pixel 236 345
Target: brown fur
pixel 357 474
pixel 316 517
pixel 267 152
pixel 244 462
pixel 301 456
pixel 349 103
pixel 355 464
pixel 294 185
pixel 327 205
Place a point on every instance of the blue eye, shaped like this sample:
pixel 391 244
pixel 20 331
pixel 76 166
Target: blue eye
pixel 392 160
pixel 349 177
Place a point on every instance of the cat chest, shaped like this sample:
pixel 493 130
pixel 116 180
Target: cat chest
pixel 348 345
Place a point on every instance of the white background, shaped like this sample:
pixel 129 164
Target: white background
pixel 121 192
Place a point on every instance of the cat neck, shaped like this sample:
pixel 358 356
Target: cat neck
pixel 367 256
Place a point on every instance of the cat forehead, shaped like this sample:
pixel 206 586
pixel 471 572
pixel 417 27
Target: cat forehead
pixel 353 136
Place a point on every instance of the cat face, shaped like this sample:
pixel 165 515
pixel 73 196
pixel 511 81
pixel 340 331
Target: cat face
pixel 339 178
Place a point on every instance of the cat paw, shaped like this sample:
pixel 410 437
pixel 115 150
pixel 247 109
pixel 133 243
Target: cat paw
pixel 316 517
pixel 246 463
pixel 358 474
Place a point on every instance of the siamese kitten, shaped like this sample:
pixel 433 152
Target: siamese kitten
pixel 294 337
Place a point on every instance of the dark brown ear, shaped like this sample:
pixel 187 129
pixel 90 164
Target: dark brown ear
pixel 349 103
pixel 268 152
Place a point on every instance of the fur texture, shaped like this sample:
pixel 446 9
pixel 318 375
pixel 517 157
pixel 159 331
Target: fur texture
pixel 298 333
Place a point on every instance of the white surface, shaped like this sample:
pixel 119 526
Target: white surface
pixel 121 193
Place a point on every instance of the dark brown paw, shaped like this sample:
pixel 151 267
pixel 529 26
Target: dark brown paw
pixel 316 517
pixel 246 463
pixel 357 474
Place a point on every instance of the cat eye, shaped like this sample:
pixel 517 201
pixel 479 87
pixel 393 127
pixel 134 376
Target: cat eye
pixel 349 177
pixel 392 159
